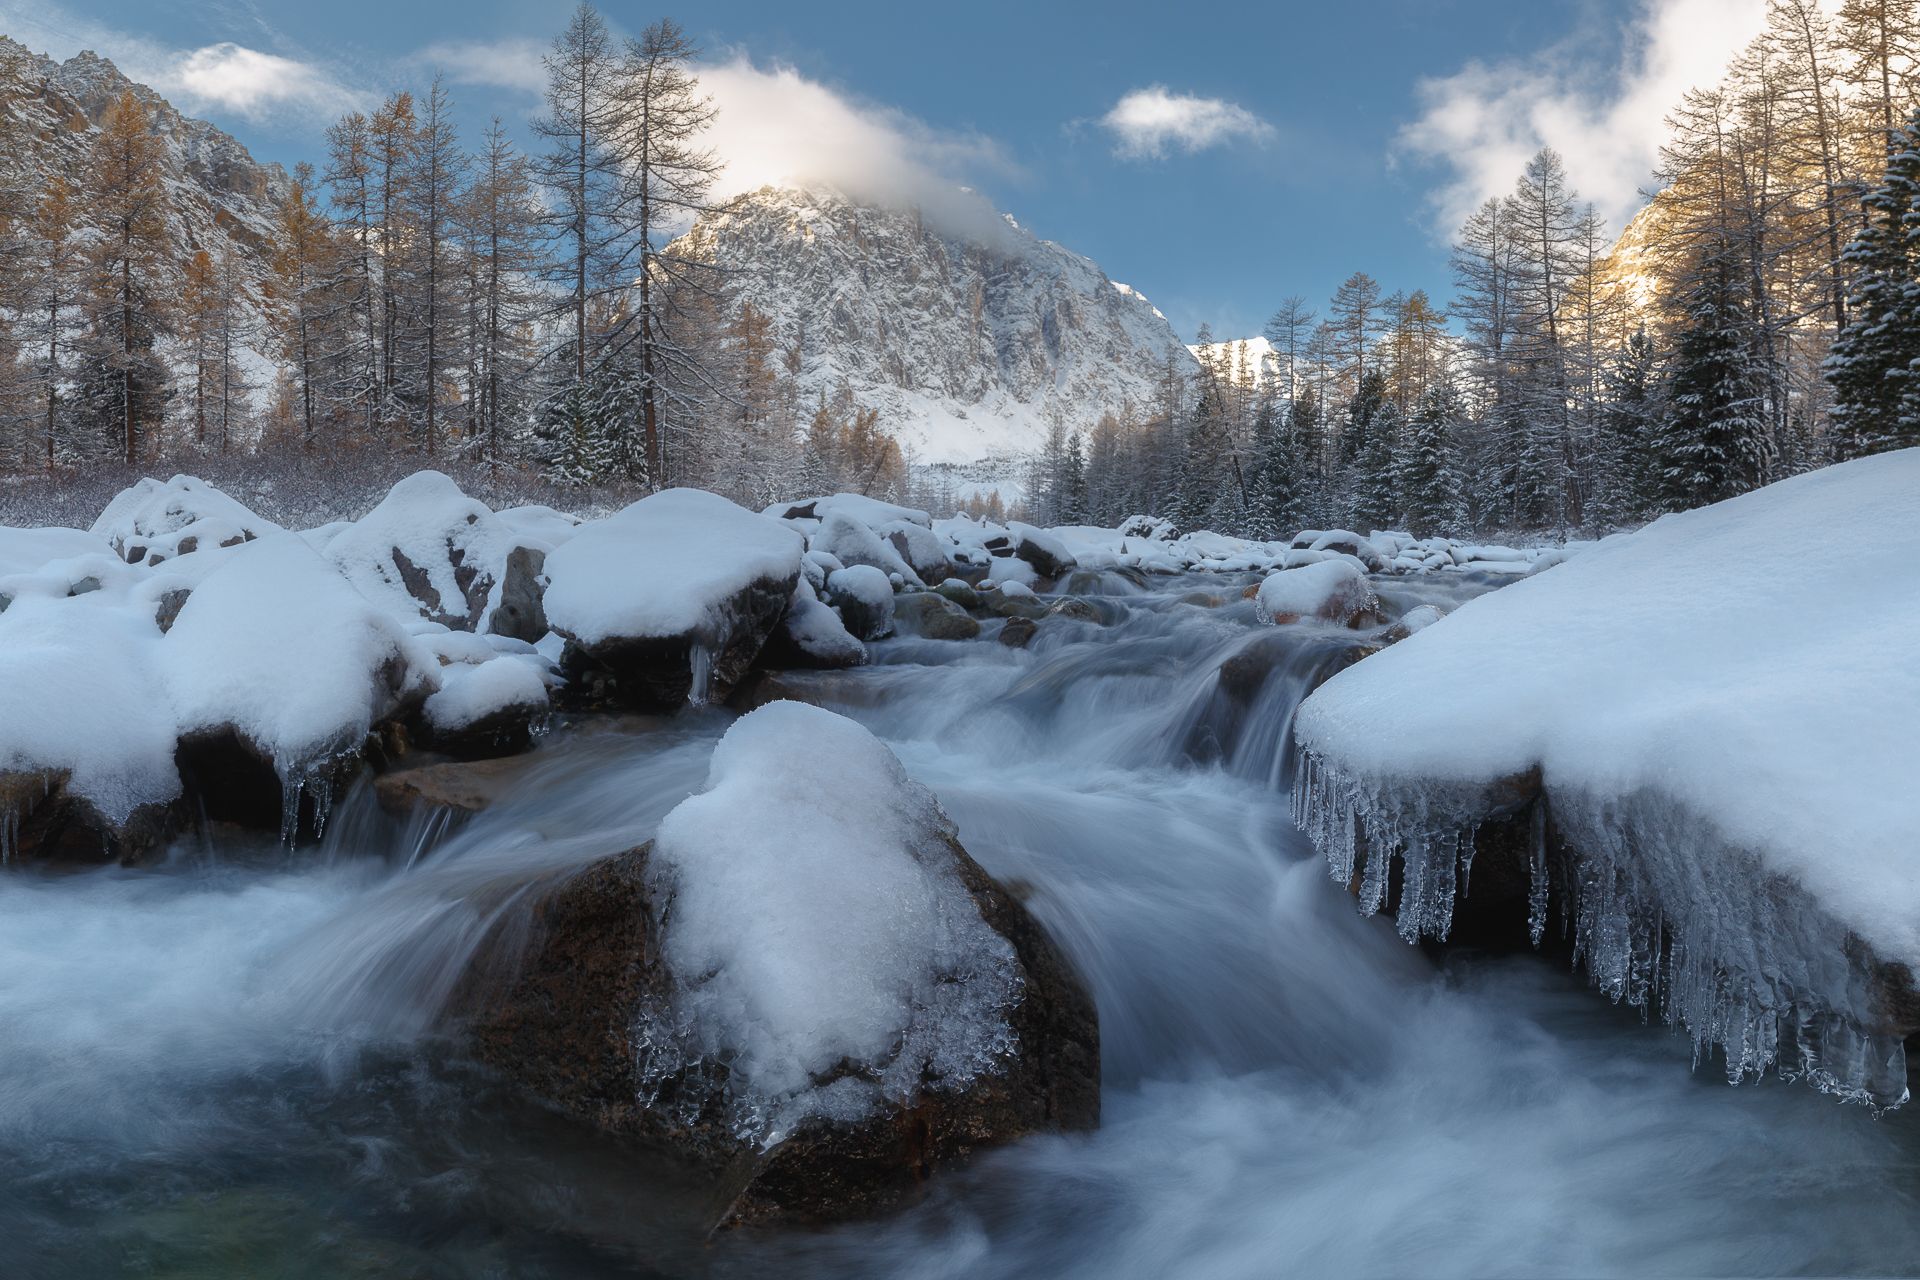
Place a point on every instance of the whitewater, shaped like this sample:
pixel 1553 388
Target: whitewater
pixel 229 1063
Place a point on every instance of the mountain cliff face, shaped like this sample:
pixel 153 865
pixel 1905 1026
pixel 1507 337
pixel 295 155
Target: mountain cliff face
pixel 49 112
pixel 970 344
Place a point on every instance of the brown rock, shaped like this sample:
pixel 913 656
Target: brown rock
pixel 558 1017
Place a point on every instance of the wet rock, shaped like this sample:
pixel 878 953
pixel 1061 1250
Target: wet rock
pixel 1018 632
pixel 658 672
pixel 1078 610
pixel 961 593
pixel 41 821
pixel 464 786
pixel 933 617
pixel 1005 605
pixel 1206 600
pixel 559 1020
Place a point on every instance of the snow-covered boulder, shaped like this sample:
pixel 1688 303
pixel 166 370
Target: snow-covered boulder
pixel 851 542
pixel 492 699
pixel 669 600
pixel 1047 554
pixel 152 522
pixel 1331 591
pixel 278 671
pixel 1702 734
pixel 428 550
pixel 864 599
pixel 812 635
pixel 1347 543
pixel 814 988
pixel 86 730
pixel 926 552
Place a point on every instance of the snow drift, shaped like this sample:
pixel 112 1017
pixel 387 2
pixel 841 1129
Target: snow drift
pixel 1715 718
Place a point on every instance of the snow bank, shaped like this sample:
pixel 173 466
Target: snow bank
pixel 151 522
pixel 666 566
pixel 1721 709
pixel 817 918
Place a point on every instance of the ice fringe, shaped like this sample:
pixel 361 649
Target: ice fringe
pixel 1662 914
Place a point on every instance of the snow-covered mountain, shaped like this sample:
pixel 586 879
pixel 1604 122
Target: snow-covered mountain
pixel 970 343
pixel 50 112
pixel 1249 361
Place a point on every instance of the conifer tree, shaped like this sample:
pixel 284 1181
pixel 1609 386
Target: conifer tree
pixel 302 271
pixel 52 269
pixel 1714 442
pixel 1876 359
pixel 1424 468
pixel 129 307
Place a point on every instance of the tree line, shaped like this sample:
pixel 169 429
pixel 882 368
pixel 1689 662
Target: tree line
pixel 1760 317
pixel 421 295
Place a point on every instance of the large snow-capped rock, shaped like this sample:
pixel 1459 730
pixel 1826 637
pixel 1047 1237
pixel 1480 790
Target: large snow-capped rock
pixel 969 342
pixel 1709 727
pixel 803 982
pixel 669 600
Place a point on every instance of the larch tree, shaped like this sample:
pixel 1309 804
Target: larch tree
pixel 303 272
pixel 582 169
pixel 53 272
pixel 129 304
pixel 668 177
pixel 502 213
pixel 350 178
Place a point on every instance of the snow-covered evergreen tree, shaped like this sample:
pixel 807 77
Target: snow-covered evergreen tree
pixel 1424 468
pixel 1713 444
pixel 1874 363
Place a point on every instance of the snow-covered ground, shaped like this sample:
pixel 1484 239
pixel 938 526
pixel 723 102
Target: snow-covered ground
pixel 1722 710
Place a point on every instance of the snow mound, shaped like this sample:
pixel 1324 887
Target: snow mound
pixel 818 633
pixel 814 918
pixel 279 647
pixel 1332 590
pixel 83 697
pixel 151 522
pixel 428 550
pixel 666 566
pixel 1723 729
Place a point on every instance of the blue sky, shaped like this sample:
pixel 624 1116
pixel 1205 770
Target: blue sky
pixel 1217 160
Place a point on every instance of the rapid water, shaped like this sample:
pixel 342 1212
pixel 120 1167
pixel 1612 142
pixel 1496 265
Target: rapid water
pixel 226 1065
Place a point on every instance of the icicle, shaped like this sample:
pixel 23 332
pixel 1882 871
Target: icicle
pixel 1662 915
pixel 1537 885
pixel 700 664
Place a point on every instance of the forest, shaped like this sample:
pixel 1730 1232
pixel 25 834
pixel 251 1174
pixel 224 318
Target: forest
pixel 534 314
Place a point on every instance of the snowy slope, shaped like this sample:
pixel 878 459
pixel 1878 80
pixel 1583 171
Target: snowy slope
pixel 971 345
pixel 1721 709
pixel 1248 360
pixel 218 195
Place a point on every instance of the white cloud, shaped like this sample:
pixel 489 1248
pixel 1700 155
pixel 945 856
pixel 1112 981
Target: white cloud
pixel 247 81
pixel 222 76
pixel 774 125
pixel 508 64
pixel 1146 123
pixel 1485 121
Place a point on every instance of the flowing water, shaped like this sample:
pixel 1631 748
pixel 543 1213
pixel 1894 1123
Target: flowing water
pixel 226 1065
